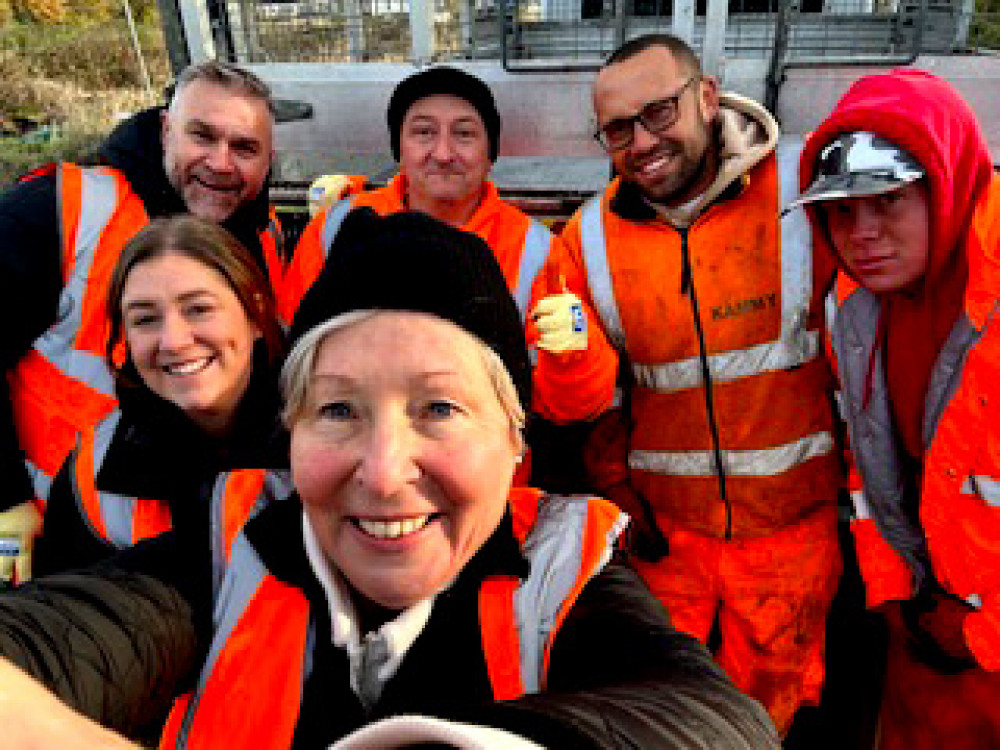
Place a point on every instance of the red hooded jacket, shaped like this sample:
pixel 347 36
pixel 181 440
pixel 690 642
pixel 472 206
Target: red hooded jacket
pixel 943 354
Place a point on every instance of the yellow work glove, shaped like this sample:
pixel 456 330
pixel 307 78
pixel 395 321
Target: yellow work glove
pixel 18 527
pixel 561 323
pixel 326 190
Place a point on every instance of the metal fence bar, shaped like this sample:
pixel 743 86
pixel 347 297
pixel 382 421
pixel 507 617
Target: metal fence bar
pixel 556 35
pixel 197 30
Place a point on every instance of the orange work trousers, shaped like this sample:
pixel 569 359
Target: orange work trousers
pixel 924 709
pixel 771 596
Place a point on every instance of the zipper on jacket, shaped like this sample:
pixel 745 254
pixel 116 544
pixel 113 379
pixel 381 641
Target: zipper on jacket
pixel 687 288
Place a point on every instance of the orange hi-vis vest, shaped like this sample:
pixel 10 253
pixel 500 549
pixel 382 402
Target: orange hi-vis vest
pixel 958 529
pixel 520 244
pixel 63 384
pixel 733 428
pixel 250 690
pixel 124 520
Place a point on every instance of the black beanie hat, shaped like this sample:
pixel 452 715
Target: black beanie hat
pixel 443 80
pixel 409 261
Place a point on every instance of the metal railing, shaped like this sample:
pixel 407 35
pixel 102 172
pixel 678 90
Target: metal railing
pixel 530 35
pixel 361 30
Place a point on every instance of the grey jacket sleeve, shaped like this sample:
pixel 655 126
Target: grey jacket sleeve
pixel 620 676
pixel 117 646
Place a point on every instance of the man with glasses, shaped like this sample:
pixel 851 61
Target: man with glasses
pixel 207 153
pixel 723 449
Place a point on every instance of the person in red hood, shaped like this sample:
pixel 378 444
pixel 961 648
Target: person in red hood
pixel 905 206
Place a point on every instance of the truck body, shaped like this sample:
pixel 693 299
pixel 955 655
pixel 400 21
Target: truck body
pixel 340 59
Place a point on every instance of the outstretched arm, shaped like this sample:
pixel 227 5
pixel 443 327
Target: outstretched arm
pixel 34 719
pixel 114 644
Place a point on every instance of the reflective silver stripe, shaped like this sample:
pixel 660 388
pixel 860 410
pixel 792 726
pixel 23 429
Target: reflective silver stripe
pixel 40 481
pixel 334 218
pixel 117 511
pixel 975 600
pixel 830 313
pixel 98 201
pixel 795 345
pixel 796 242
pixel 873 445
pixel 534 253
pixel 595 260
pixel 243 579
pixel 729 366
pixel 746 463
pixel 987 488
pixel 277 486
pixel 830 308
pixel 554 547
pixel 862 510
pixel 216 516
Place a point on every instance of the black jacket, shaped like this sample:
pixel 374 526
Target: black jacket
pixel 619 676
pixel 158 452
pixel 30 265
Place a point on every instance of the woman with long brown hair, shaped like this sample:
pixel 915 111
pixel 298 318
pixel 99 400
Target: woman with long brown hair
pixel 194 344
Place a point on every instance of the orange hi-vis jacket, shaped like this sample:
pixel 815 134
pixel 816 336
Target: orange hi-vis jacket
pixel 260 649
pixel 520 244
pixel 956 524
pixel 124 520
pixel 566 387
pixel 63 384
pixel 732 425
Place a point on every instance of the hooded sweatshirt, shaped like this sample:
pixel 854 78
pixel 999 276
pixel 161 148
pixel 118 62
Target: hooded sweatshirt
pixel 955 490
pixel 923 115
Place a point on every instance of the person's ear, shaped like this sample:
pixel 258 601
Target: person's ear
pixel 708 97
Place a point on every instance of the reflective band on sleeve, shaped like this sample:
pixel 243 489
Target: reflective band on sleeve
pixel 975 600
pixel 764 462
pixel 537 241
pixel 862 510
pixel 595 259
pixel 728 366
pixel 334 218
pixel 987 488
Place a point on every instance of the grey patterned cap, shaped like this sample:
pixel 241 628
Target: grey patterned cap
pixel 856 164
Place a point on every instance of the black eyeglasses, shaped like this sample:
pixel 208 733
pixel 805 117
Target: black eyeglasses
pixel 655 116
